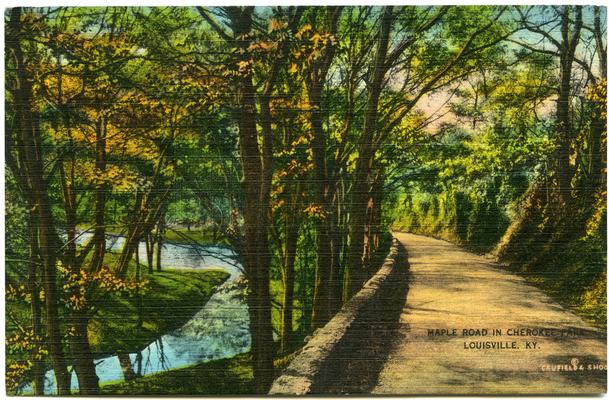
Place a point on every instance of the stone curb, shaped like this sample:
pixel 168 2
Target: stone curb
pixel 311 368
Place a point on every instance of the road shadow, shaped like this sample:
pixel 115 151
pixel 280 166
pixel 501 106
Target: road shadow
pixel 355 367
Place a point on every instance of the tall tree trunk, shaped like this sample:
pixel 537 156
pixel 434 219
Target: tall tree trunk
pixel 373 214
pixel 304 284
pixel 138 294
pixel 598 150
pixel 563 132
pixel 335 283
pixel 38 365
pixel 256 210
pixel 126 366
pixel 159 242
pixel 356 266
pixel 27 122
pixel 287 311
pixel 323 269
pixel 324 298
pixel 150 251
pixel 84 365
pixel 99 234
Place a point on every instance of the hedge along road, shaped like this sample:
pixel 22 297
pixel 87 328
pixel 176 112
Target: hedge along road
pixel 516 340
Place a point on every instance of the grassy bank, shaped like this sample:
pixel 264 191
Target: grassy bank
pixel 576 277
pixel 227 376
pixel 170 298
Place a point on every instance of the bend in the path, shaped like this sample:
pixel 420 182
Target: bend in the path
pixel 453 289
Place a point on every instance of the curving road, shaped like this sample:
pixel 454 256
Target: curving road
pixel 452 290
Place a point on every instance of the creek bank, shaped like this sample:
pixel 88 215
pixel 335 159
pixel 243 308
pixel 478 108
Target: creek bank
pixel 169 299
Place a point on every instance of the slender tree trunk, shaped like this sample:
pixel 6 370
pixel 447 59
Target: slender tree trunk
pixel 307 309
pixel 287 312
pixel 139 360
pixel 138 294
pixel 132 239
pixel 323 269
pixel 377 214
pixel 373 213
pixel 126 366
pixel 256 253
pixel 356 266
pixel 27 122
pixel 598 148
pixel 38 365
pixel 150 252
pixel 335 283
pixel 99 234
pixel 159 243
pixel 324 298
pixel 563 131
pixel 84 365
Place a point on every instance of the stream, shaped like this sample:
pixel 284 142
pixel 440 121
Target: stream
pixel 219 330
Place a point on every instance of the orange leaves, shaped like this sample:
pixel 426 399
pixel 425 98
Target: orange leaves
pixel 14 293
pixel 305 29
pixel 115 176
pixel 19 342
pixel 315 211
pixel 16 372
pixel 79 284
pixel 597 95
pixel 277 24
pixel 262 46
pixel 245 67
pixel 309 47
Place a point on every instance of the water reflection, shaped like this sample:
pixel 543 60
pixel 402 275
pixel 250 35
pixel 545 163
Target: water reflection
pixel 219 330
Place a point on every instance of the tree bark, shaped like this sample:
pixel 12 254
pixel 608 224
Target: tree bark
pixel 38 365
pixel 99 234
pixel 150 251
pixel 27 122
pixel 84 365
pixel 287 312
pixel 126 366
pixel 324 297
pixel 323 269
pixel 563 131
pixel 356 266
pixel 159 242
pixel 256 210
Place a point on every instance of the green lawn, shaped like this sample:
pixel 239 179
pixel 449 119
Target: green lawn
pixel 227 376
pixel 170 299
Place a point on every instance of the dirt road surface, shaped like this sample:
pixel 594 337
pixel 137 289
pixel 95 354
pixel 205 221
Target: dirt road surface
pixel 541 348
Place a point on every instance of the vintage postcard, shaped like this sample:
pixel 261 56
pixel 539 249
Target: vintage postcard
pixel 305 200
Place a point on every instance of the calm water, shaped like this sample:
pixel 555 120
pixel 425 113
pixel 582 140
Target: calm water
pixel 219 330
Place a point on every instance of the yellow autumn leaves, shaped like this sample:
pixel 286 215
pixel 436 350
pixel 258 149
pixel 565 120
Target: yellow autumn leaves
pixel 77 283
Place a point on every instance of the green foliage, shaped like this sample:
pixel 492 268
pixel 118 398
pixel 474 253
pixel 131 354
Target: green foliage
pixel 232 376
pixel 171 298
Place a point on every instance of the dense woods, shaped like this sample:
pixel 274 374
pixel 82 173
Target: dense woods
pixel 298 137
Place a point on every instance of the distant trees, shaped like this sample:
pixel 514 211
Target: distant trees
pixel 522 169
pixel 563 197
